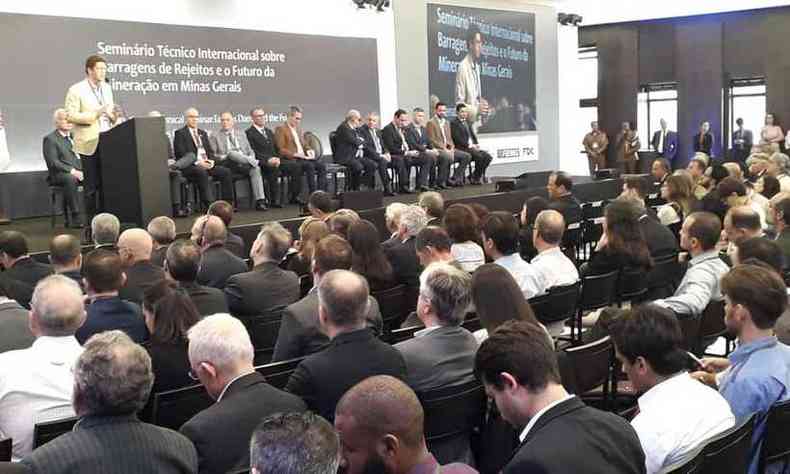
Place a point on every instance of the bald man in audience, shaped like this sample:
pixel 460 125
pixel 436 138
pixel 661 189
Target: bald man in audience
pixel 217 263
pixel 741 223
pixel 65 255
pixel 381 423
pixel 163 230
pixel 134 247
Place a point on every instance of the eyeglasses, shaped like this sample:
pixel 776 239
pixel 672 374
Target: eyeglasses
pixel 192 374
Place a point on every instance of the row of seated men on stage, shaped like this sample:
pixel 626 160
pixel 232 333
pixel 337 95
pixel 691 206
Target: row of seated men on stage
pixel 264 155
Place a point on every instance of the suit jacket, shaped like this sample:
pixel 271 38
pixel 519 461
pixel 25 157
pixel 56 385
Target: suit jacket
pixel 139 277
pixel 115 445
pixel 219 143
pixel 404 261
pixel 106 314
pixel 81 105
pixel 600 443
pixel 660 240
pixel 443 357
pixel 14 327
pixel 747 137
pixel 284 140
pixel 217 265
pixel 322 378
pixel 462 134
pixel 393 143
pixel 569 207
pixel 438 141
pixel 158 256
pixel 670 149
pixel 707 143
pixel 20 292
pixel 261 290
pixel 59 155
pixel 221 433
pixel 183 143
pixel 29 271
pixel 418 141
pixel 262 143
pixel 370 146
pixel 300 332
pixel 235 244
pixel 347 143
pixel 207 300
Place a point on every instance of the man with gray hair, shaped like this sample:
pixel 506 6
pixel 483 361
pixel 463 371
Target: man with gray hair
pixel 355 352
pixel 392 215
pixel 112 382
pixel 163 230
pixel 105 229
pixel 779 168
pixel 36 383
pixel 134 248
pixel 433 205
pixel 217 263
pixel 267 286
pixel 294 443
pixel 220 356
pixel 349 151
pixel 402 253
pixel 64 164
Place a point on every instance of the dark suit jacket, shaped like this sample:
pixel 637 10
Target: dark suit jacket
pixel 28 271
pixel 707 143
pixel 183 143
pixel 391 140
pixel 369 146
pixel 783 240
pixel 660 240
pixel 748 140
pixel 263 289
pixel 106 314
pixel 322 378
pixel 235 244
pixel 75 275
pixel 569 207
pixel 670 149
pixel 574 438
pixel 221 433
pixel 20 292
pixel 139 277
pixel 462 134
pixel 14 327
pixel 347 143
pixel 158 256
pixel 59 155
pixel 442 358
pixel 217 265
pixel 115 445
pixel 207 300
pixel 418 141
pixel 404 261
pixel 262 144
pixel 300 333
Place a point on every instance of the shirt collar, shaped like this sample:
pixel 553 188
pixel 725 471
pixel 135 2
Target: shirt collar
pixel 745 350
pixel 710 254
pixel 549 251
pixel 423 332
pixel 222 394
pixel 535 418
pixel 653 396
pixel 56 348
pixel 509 259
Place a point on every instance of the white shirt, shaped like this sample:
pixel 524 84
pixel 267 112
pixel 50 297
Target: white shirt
pixel 469 255
pixel 525 274
pixel 675 416
pixel 668 215
pixel 298 142
pixel 554 268
pixel 661 141
pixel 36 386
pixel 535 418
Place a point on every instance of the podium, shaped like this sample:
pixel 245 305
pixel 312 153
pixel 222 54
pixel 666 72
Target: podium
pixel 133 164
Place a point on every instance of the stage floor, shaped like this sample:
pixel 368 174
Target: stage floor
pixel 39 232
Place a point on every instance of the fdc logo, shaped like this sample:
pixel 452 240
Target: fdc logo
pixel 528 151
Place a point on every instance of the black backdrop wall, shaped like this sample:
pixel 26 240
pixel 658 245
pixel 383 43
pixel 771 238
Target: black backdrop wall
pixel 701 54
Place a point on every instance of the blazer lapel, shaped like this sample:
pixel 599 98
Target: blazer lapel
pixel 557 411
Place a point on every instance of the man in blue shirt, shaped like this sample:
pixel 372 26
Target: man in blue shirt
pixel 756 376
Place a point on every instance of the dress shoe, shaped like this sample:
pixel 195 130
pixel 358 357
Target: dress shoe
pixel 275 205
pixel 423 189
pixel 260 205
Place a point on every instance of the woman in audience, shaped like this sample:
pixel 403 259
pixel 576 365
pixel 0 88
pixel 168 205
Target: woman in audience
pixel 529 212
pixel 771 134
pixel 310 232
pixel 462 226
pixel 368 258
pixel 734 170
pixel 678 191
pixel 770 187
pixel 623 245
pixel 480 210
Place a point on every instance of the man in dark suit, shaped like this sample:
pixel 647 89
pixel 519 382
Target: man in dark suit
pixel 703 140
pixel 163 230
pixel 14 323
pixel 63 164
pixel 220 355
pixel 400 249
pixel 373 149
pixel 300 331
pixel 262 142
pixel 192 140
pixel 355 352
pixel 519 370
pixel 660 239
pixel 267 286
pixel 17 262
pixel 561 198
pixel 349 151
pixel 465 139
pixel 418 140
pixel 112 381
pixel 395 143
pixel 182 263
pixel 234 243
pixel 134 248
pixel 217 263
pixel 665 143
pixel 742 141
pixel 106 310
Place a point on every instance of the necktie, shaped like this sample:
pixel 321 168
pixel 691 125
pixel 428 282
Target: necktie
pixel 196 137
pixel 701 138
pixel 71 144
pixel 403 145
pixel 232 138
pixel 375 140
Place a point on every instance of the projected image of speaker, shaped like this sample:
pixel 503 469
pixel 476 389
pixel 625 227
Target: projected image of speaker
pixel 361 200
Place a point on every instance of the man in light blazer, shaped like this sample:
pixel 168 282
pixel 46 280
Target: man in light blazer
pixel 441 138
pixel 665 143
pixel 90 107
pixel 468 85
pixel 232 149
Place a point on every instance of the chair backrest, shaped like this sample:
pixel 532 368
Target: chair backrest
pixel 333 142
pixel 690 464
pixel 263 332
pixel 403 334
pixel 598 291
pixel 47 431
pixel 314 143
pixel 6 447
pixel 712 322
pixel 391 305
pixel 776 443
pixel 453 411
pixel 632 285
pixel 173 408
pixel 664 272
pixel 591 363
pixel 689 327
pixel 559 304
pixel 573 235
pixel 278 373
pixel 728 452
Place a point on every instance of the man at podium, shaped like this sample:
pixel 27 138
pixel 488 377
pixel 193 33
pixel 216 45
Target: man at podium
pixel 90 107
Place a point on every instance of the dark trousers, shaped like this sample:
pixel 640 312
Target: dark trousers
pixel 70 185
pixel 356 167
pixel 271 177
pixel 462 158
pixel 443 163
pixel 199 177
pixel 91 185
pixel 425 164
pixel 381 166
pixel 315 171
pixel 399 164
pixel 482 159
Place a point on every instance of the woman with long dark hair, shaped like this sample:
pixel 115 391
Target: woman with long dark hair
pixel 310 232
pixel 623 243
pixel 368 258
pixel 529 212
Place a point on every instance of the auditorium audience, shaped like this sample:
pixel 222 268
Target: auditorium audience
pixel 220 356
pixel 500 241
pixel 392 215
pixel 134 248
pixel 181 265
pixel 433 245
pixel 696 168
pixel 433 205
pixel 217 263
pixel 660 169
pixel 322 378
pixel 757 166
pixel 529 212
pixel 519 369
pixel 622 245
pixel 16 261
pixel 368 258
pixel 310 232
pixel 401 251
pixel 293 443
pixel 760 249
pixel 162 230
pixel 234 243
pixel 741 223
pixel 112 380
pixel 551 266
pixel 770 188
pixel 320 205
pixel 105 229
pixel 755 376
pixel 340 222
pixel 65 255
pixel 660 239
pixel 676 413
pixel 714 201
pixel 734 193
pixel 781 218
pixel 267 286
pixel 678 192
pixel 36 379
pixel 296 153
pixel 14 324
pixel 779 168
pixel 300 331
pixel 480 210
pixel 700 284
pixel 463 227
pixel 381 424
pixel 561 199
